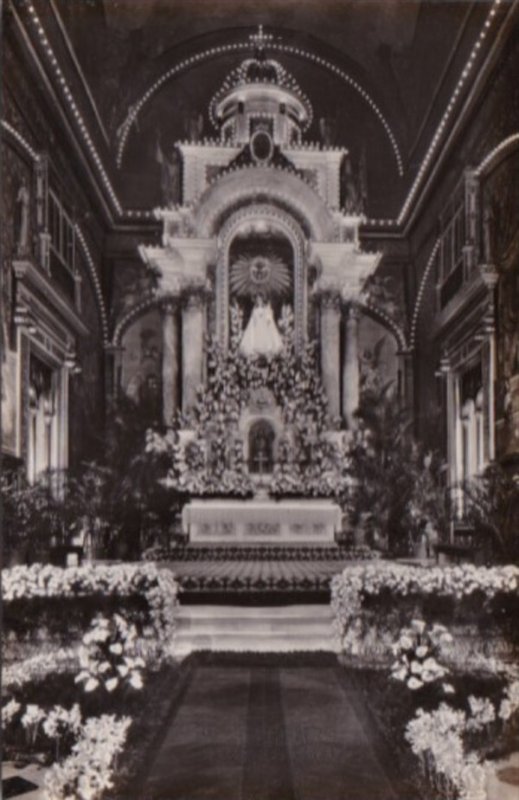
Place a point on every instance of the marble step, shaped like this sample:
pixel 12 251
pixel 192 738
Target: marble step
pixel 266 629
pixel 299 611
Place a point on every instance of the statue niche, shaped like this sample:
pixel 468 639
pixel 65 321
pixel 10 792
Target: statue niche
pixel 261 447
pixel 261 282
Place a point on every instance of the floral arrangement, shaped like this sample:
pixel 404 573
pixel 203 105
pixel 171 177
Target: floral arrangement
pixel 359 585
pixel 158 587
pixel 417 651
pixel 56 724
pixel 436 738
pixel 89 770
pixel 109 655
pixel 441 739
pixel 212 463
pixel 113 654
pixel 60 660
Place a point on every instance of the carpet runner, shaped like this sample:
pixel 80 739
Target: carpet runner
pixel 270 728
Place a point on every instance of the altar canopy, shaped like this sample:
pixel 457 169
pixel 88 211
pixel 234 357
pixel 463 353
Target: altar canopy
pixel 267 521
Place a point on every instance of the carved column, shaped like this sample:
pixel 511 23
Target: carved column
pixel 330 349
pixel 170 359
pixel 350 370
pixel 454 434
pixel 193 318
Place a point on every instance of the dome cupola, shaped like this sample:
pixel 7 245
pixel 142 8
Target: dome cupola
pixel 260 96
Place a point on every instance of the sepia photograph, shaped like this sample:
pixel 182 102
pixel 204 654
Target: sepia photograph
pixel 259 347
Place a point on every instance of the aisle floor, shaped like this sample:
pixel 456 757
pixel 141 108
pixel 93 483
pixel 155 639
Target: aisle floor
pixel 267 732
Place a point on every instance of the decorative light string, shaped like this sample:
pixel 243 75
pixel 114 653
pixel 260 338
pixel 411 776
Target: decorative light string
pixel 96 282
pixel 21 141
pixel 133 313
pixel 239 78
pixel 448 111
pixel 421 292
pixel 500 149
pixel 71 103
pixel 224 49
pixel 389 322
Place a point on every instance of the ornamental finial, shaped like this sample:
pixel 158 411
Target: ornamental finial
pixel 260 40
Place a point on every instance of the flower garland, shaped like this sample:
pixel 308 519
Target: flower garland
pixel 157 586
pixel 358 582
pixel 37 667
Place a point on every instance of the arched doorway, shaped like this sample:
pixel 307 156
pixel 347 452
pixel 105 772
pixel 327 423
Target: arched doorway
pixel 261 447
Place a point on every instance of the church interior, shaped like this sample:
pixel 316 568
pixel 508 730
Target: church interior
pixel 260 297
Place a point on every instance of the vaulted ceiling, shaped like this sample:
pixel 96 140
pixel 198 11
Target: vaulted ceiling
pixel 383 70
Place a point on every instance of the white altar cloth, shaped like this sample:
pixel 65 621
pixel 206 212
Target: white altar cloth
pixel 262 521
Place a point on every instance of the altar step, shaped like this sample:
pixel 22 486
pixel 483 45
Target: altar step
pixel 254 629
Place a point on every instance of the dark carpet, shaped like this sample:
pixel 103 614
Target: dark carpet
pixel 270 728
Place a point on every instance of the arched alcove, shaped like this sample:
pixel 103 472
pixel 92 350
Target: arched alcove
pixel 261 440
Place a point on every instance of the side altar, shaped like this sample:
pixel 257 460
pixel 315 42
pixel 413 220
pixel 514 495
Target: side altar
pixel 263 521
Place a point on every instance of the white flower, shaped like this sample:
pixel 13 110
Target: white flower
pixel 9 711
pixel 505 710
pixel 482 712
pixel 136 680
pixel 111 684
pixel 91 684
pixel 33 715
pixel 422 651
pixel 414 684
pixel 418 625
pixel 116 648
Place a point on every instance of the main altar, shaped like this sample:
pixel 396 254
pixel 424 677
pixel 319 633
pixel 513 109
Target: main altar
pixel 258 275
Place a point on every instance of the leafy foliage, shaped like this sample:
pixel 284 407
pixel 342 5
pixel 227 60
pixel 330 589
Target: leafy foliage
pixel 398 488
pixel 492 506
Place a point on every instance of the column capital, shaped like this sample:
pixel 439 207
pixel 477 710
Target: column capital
pixel 330 299
pixel 445 366
pixel 195 296
pixel 353 312
pixel 169 305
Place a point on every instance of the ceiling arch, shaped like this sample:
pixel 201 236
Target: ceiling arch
pixel 284 42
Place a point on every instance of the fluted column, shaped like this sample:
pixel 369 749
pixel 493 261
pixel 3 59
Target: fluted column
pixel 350 369
pixel 330 350
pixel 170 359
pixel 193 318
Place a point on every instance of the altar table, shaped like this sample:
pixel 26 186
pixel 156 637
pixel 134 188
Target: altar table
pixel 266 521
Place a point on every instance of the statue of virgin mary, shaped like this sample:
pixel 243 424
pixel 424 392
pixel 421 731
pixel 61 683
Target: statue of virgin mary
pixel 261 335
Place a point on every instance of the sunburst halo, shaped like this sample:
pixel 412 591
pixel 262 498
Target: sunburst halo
pixel 265 275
